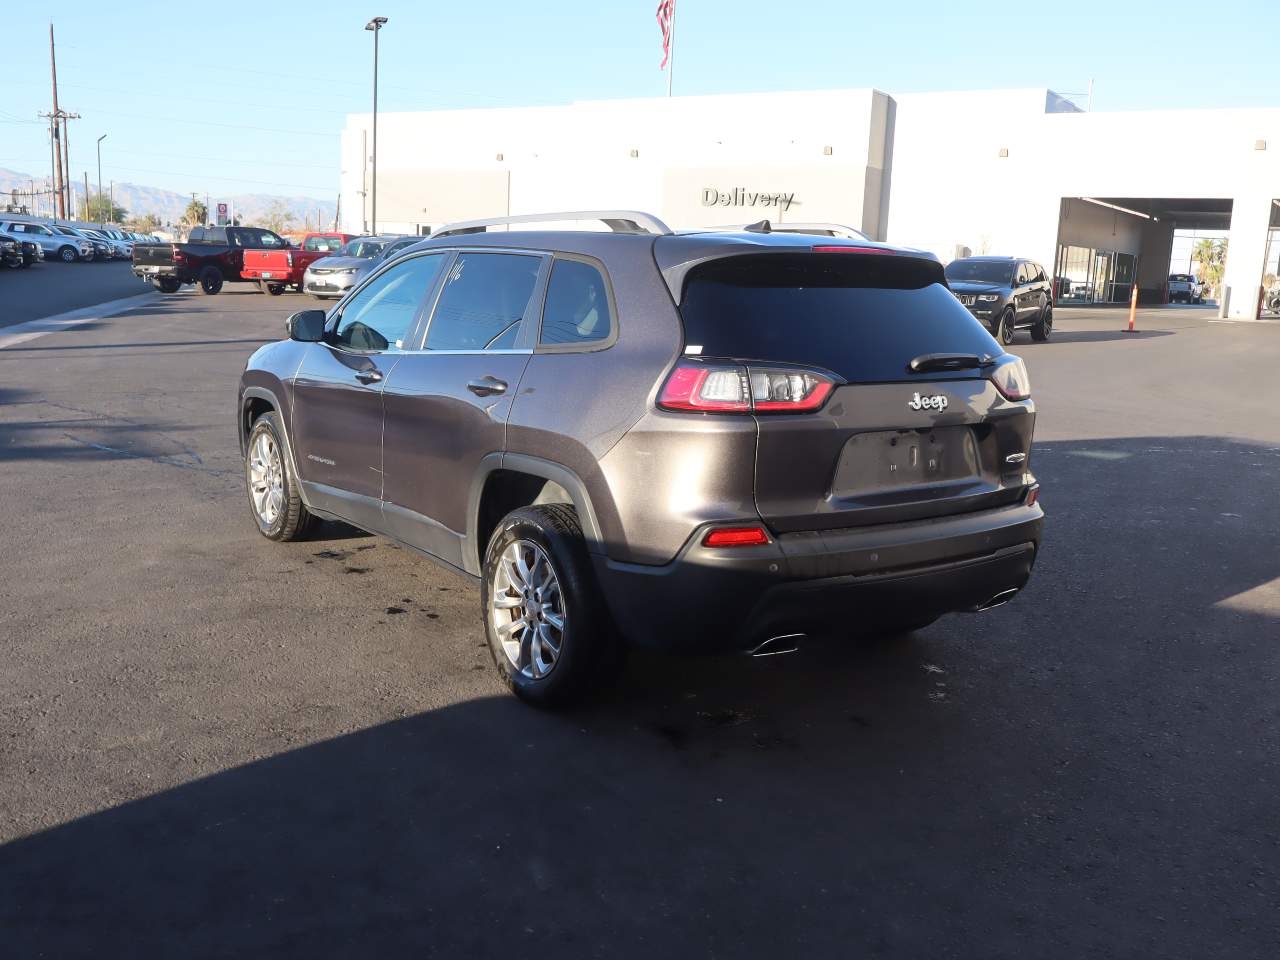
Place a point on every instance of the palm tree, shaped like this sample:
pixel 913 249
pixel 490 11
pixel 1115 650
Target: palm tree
pixel 1211 259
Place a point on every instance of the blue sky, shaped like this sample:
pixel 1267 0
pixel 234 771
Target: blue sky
pixel 255 104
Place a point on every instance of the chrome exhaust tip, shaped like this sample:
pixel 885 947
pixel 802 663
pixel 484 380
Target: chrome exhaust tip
pixel 783 643
pixel 999 600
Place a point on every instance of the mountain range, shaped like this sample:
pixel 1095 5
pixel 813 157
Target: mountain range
pixel 169 206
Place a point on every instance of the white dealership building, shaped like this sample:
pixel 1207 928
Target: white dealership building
pixel 1095 197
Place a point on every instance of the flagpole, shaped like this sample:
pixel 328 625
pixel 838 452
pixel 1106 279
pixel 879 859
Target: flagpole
pixel 671 56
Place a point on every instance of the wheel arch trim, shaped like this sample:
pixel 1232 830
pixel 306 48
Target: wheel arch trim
pixel 538 467
pixel 263 393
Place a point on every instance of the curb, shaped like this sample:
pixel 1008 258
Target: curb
pixel 30 329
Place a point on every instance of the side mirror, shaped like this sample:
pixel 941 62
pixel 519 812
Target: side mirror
pixel 306 326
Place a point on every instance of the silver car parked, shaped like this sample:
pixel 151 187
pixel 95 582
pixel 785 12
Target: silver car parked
pixel 68 249
pixel 334 276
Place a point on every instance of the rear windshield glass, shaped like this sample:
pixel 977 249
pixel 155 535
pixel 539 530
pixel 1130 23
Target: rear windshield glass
pixel 1180 277
pixel 864 318
pixel 980 271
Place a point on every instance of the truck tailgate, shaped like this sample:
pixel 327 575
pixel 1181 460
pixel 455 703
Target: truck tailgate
pixel 153 255
pixel 268 264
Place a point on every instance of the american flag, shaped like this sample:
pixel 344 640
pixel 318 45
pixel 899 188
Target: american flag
pixel 666 17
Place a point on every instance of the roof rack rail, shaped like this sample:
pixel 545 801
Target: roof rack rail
pixel 619 221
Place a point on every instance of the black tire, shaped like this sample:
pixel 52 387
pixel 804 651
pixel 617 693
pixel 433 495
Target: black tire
pixel 1042 329
pixel 275 289
pixel 293 520
pixel 590 653
pixel 166 284
pixel 68 254
pixel 1004 328
pixel 210 280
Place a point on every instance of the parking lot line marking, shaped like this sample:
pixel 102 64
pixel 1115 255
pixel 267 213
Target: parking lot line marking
pixel 22 332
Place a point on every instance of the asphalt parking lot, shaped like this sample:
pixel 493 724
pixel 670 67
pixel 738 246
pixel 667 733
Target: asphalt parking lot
pixel 214 745
pixel 53 287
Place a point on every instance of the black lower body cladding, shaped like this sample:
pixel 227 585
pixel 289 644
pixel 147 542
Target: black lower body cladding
pixel 830 582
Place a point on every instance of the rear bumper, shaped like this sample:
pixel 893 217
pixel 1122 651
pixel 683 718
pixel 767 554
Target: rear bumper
pixel 723 600
pixel 149 272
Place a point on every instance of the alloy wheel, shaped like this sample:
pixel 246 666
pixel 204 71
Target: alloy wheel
pixel 526 609
pixel 266 479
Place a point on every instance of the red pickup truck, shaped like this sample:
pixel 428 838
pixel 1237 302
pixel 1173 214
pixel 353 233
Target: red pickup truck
pixel 276 269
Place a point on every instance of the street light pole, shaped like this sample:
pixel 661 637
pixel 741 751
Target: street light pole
pixel 100 139
pixel 375 25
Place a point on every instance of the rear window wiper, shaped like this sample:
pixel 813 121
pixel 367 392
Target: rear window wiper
pixel 927 362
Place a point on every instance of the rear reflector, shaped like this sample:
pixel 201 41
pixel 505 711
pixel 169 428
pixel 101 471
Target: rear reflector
pixel 736 537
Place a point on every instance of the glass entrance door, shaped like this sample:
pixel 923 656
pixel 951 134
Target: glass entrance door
pixel 1102 263
pixel 1122 281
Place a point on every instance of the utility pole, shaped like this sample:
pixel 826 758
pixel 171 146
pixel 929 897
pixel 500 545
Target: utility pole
pixel 100 139
pixel 53 125
pixel 376 25
pixel 66 156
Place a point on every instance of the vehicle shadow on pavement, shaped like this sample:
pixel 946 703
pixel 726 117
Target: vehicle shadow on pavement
pixel 1098 336
pixel 1089 770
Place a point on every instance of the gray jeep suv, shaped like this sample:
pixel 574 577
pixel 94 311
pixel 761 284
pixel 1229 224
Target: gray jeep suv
pixel 702 441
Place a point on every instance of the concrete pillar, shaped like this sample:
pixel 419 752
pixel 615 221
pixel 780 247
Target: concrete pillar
pixel 1153 260
pixel 1246 253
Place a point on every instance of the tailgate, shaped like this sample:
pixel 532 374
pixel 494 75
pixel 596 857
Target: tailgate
pixel 277 263
pixel 153 255
pixel 870 457
pixel 888 444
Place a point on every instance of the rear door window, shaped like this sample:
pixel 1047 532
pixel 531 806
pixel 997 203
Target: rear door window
pixel 485 298
pixel 576 311
pixel 863 317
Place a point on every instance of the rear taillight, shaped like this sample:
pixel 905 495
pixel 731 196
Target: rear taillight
pixel 731 388
pixel 179 256
pixel 290 256
pixel 1032 495
pixel 736 537
pixel 705 387
pixel 1010 377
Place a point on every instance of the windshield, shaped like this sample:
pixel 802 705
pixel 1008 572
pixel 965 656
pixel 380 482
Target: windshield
pixel 980 271
pixel 1181 278
pixel 862 317
pixel 363 247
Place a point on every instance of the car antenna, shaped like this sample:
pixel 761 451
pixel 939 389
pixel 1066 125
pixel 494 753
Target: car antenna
pixel 760 227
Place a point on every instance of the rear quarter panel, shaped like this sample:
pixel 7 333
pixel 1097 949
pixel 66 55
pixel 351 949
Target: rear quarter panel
pixel 652 477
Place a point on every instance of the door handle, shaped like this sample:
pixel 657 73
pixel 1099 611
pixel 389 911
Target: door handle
pixel 369 376
pixel 487 386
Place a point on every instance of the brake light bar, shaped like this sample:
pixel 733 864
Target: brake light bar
pixel 733 388
pixel 886 251
pixel 736 537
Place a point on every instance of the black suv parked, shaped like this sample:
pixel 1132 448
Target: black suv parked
pixel 1005 293
pixel 699 441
